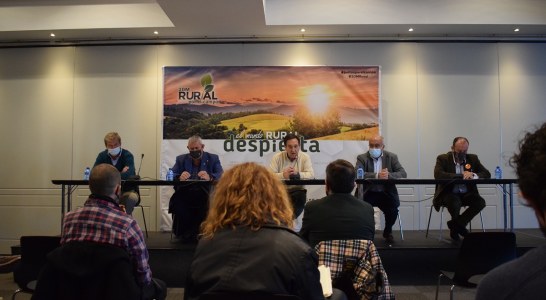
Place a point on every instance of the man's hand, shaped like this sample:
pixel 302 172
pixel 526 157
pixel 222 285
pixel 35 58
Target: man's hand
pixel 184 176
pixel 203 175
pixel 468 175
pixel 287 172
pixel 125 169
pixel 384 174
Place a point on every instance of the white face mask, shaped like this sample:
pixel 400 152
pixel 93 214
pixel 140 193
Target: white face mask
pixel 115 151
pixel 375 153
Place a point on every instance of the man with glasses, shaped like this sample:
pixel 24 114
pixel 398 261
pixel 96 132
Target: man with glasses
pixel 381 164
pixel 458 164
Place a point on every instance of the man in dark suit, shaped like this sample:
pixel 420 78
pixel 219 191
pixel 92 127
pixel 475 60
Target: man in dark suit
pixel 381 164
pixel 339 215
pixel 190 203
pixel 458 164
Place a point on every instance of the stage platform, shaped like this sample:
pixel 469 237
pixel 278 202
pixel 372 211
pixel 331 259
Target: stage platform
pixel 414 261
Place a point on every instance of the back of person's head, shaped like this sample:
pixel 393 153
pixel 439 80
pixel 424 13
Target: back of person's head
pixel 104 179
pixel 340 176
pixel 247 195
pixel 530 165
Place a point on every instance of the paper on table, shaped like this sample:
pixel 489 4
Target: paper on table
pixel 325 280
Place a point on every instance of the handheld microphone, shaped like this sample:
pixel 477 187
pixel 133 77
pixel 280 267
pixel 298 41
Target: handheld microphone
pixel 137 176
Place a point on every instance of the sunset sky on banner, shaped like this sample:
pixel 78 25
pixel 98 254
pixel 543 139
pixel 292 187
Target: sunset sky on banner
pixel 252 85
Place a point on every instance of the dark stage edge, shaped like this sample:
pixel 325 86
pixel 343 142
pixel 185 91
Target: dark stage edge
pixel 414 261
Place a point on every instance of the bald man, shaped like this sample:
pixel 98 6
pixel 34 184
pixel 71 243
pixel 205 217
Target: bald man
pixel 381 164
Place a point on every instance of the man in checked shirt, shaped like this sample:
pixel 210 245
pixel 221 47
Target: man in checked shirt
pixel 102 220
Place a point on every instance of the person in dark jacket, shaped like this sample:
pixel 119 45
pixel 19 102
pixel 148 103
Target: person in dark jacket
pixel 524 277
pixel 246 244
pixel 458 164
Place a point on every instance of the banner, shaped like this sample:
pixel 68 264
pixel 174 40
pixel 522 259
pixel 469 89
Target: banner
pixel 242 114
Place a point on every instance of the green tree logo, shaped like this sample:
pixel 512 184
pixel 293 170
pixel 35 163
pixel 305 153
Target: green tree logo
pixel 206 83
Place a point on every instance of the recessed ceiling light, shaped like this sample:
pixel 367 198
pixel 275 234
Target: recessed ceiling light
pixel 156 32
pixel 52 35
pixel 302 30
pixel 516 29
pixel 410 29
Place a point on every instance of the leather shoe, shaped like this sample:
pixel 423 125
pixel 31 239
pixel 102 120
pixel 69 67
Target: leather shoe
pixel 388 238
pixel 453 232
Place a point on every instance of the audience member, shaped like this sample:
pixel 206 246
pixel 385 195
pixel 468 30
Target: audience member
pixel 381 164
pixel 524 278
pixel 190 203
pixel 247 244
pixel 455 164
pixel 293 164
pixel 339 215
pixel 124 162
pixel 101 220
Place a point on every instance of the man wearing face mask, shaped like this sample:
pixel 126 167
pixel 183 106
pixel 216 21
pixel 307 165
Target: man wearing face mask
pixel 124 162
pixel 348 218
pixel 189 203
pixel 381 164
pixel 457 164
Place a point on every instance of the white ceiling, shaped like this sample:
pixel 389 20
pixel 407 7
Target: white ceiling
pixel 30 22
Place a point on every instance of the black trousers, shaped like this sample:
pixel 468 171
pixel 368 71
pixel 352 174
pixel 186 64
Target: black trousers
pixel 454 202
pixel 387 204
pixel 189 206
pixel 298 198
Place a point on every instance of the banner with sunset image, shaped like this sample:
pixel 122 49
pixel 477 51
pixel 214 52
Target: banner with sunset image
pixel 242 113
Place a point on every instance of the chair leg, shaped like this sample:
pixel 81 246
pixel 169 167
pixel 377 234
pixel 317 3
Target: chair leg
pixel 481 219
pixel 144 219
pixel 451 292
pixel 441 222
pixel 400 225
pixel 438 285
pixel 428 225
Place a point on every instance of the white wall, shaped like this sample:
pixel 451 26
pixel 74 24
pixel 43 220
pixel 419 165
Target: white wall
pixel 57 103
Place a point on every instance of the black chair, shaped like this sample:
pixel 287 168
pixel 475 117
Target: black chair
pixel 87 270
pixel 34 250
pixel 246 296
pixel 480 252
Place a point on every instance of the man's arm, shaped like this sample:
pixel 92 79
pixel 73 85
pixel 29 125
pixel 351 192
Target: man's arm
pixel 479 169
pixel 440 171
pixel 397 169
pixel 275 166
pixel 130 164
pixel 216 170
pixel 139 254
pixel 306 170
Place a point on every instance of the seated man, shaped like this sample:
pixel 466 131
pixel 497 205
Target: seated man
pixel 124 162
pixel 189 204
pixel 458 164
pixel 293 164
pixel 381 164
pixel 339 215
pixel 101 220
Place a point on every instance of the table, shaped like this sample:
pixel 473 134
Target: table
pixel 68 185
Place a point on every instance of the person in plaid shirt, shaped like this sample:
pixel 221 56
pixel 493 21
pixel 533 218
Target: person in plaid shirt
pixel 102 220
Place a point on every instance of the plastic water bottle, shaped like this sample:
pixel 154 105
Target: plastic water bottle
pixel 86 173
pixel 498 173
pixel 360 173
pixel 170 175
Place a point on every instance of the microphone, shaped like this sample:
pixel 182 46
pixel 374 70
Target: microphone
pixel 137 176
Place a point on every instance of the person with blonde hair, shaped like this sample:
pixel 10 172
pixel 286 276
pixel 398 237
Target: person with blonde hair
pixel 247 244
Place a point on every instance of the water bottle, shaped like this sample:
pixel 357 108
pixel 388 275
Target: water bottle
pixel 360 173
pixel 86 173
pixel 498 173
pixel 170 175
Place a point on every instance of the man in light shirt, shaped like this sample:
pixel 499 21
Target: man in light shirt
pixel 293 164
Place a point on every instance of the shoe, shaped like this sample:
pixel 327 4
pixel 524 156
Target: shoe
pixel 388 237
pixel 453 232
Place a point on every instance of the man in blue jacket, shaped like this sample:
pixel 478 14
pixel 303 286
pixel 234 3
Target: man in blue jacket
pixel 189 203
